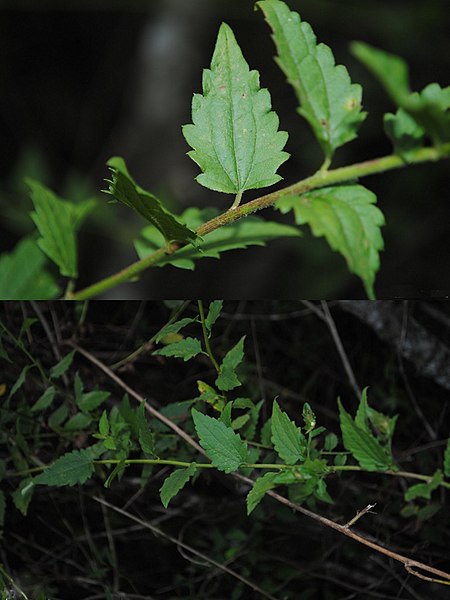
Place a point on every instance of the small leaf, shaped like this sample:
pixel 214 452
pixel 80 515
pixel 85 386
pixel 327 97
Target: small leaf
pixel 78 422
pixel 404 132
pixel 23 274
pixel 173 328
pixel 58 221
pixel 71 468
pixel 214 310
pixel 251 231
pixel 224 447
pixel 103 424
pixel 309 418
pixel 61 367
pixel 362 414
pixel 424 490
pixel 328 100
pixel 23 494
pixel 262 485
pixel 185 349
pixel 363 445
pixel 175 483
pixel 20 381
pixel 45 400
pixel 234 136
pixel 227 379
pixel 287 438
pixel 92 400
pixel 346 216
pixel 58 416
pixel 125 190
pixel 146 439
pixel 447 459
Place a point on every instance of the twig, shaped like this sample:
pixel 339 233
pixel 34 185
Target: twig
pixel 359 514
pixel 409 564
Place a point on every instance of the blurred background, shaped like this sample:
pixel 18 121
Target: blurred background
pixel 82 81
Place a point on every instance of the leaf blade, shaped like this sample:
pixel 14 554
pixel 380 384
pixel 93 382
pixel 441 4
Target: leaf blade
pixel 71 468
pixel 227 378
pixel 287 438
pixel 175 483
pixel 225 448
pixel 234 134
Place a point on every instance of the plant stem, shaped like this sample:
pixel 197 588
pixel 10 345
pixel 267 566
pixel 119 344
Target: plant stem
pixel 320 179
pixel 407 474
pixel 205 336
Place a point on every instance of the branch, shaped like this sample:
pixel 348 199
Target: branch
pixel 409 564
pixel 318 180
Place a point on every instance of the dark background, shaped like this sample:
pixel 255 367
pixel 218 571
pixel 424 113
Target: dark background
pixel 81 81
pixel 400 349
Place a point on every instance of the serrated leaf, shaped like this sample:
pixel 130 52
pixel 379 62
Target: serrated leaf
pixel 429 108
pixel 364 447
pixel 447 459
pixel 125 190
pixel 224 447
pixel 185 349
pixel 175 483
pixel 58 222
pixel 145 435
pixel 19 381
pixel 78 422
pixel 23 275
pixel 424 490
pixel 173 328
pixel 227 378
pixel 404 132
pixel 92 400
pixel 252 231
pixel 71 468
pixel 362 414
pixel 346 216
pixel 61 367
pixel 214 310
pixel 234 135
pixel 288 440
pixel 45 400
pixel 262 485
pixel 103 424
pixel 328 100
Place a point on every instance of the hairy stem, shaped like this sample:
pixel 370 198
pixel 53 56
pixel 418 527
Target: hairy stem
pixel 320 179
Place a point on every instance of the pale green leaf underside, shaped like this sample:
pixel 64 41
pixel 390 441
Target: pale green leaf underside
pixel 328 100
pixel 287 438
pixel 404 132
pixel 71 468
pixel 175 483
pixel 234 135
pixel 262 485
pixel 224 447
pixel 251 231
pixel 364 447
pixel 185 349
pixel 125 190
pixel 346 216
pixel 58 221
pixel 23 275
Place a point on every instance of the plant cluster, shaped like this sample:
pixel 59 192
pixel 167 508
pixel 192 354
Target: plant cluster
pixel 236 141
pixel 222 429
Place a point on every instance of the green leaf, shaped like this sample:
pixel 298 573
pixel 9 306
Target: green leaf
pixel 227 379
pixel 234 135
pixel 262 485
pixel 328 100
pixel 175 483
pixel 214 310
pixel 346 216
pixel 173 328
pixel 185 349
pixel 125 190
pixel 447 459
pixel 78 422
pixel 224 447
pixel 146 440
pixel 362 414
pixel 20 381
pixel 45 400
pixel 71 468
pixel 61 367
pixel 288 440
pixel 23 275
pixel 92 400
pixel 364 447
pixel 429 108
pixel 424 490
pixel 58 221
pixel 404 132
pixel 58 416
pixel 103 424
pixel 23 494
pixel 309 418
pixel 251 231
pixel 391 70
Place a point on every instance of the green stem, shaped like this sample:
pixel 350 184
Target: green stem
pixel 20 345
pixel 205 336
pixel 320 179
pixel 406 474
